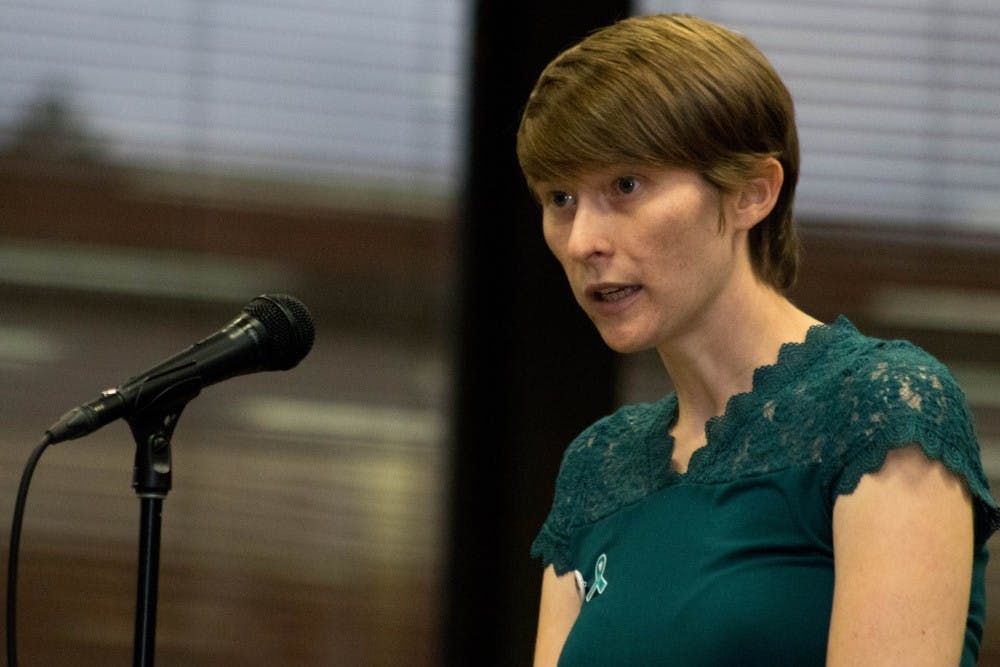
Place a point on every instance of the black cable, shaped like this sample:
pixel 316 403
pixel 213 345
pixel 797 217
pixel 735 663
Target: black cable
pixel 15 540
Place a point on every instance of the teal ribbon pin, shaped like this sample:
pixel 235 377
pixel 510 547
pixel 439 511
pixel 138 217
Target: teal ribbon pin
pixel 600 583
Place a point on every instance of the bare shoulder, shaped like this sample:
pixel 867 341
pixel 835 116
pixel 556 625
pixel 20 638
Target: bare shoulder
pixel 903 550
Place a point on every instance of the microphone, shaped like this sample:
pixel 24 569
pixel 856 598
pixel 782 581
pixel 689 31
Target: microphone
pixel 272 332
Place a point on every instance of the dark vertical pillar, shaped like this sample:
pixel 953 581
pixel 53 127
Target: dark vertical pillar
pixel 532 371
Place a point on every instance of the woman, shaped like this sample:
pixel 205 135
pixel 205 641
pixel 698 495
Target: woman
pixel 807 495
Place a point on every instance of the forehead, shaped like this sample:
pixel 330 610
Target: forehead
pixel 590 174
pixel 599 176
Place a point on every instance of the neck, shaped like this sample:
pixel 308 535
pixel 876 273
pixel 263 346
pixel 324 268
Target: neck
pixel 715 358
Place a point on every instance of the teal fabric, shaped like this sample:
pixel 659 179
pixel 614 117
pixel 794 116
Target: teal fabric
pixel 732 561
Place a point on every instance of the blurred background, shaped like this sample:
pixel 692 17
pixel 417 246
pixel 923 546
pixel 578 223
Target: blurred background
pixel 161 163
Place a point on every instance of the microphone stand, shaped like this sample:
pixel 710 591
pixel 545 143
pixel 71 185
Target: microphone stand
pixel 152 429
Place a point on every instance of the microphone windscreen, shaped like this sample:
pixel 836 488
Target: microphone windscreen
pixel 289 327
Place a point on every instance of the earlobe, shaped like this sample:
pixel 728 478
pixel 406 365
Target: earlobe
pixel 760 193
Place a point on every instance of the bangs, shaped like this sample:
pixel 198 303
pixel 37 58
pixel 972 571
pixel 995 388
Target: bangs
pixel 586 118
pixel 551 151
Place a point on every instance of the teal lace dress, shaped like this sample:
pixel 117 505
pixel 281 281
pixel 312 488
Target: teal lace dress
pixel 731 563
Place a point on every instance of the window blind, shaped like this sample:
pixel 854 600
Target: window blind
pixel 897 102
pixel 371 93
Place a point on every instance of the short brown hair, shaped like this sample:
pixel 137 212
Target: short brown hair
pixel 674 91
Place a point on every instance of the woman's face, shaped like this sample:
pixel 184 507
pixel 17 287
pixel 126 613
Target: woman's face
pixel 644 251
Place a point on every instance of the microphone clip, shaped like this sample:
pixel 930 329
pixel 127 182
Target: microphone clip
pixel 153 430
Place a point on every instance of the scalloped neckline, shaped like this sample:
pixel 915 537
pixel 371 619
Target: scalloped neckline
pixel 792 355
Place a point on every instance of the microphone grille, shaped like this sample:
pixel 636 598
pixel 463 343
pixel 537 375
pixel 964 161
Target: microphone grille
pixel 289 327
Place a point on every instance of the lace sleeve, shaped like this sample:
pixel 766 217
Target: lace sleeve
pixel 552 542
pixel 613 463
pixel 910 398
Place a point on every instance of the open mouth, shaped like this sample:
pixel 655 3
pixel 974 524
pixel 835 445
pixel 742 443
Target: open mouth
pixel 613 294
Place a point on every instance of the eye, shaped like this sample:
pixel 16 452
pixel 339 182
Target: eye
pixel 626 184
pixel 561 199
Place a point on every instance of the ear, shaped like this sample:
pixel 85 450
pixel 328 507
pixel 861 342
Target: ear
pixel 755 200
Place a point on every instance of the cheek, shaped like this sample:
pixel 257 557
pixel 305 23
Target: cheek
pixel 555 240
pixel 665 248
pixel 679 254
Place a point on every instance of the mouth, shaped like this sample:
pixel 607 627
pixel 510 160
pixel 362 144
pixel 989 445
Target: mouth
pixel 613 294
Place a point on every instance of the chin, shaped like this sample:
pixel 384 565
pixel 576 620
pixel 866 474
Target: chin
pixel 624 344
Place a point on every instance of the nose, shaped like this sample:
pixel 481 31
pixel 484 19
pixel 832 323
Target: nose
pixel 590 235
